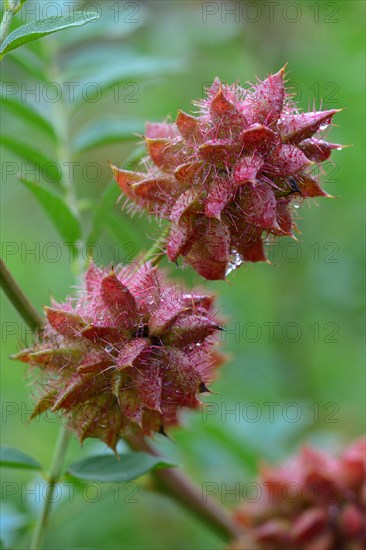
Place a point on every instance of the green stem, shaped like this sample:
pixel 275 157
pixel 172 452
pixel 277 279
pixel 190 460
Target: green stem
pixel 54 476
pixel 11 8
pixel 18 298
pixel 5 24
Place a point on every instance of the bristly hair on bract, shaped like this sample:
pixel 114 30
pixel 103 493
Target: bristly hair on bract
pixel 127 355
pixel 226 178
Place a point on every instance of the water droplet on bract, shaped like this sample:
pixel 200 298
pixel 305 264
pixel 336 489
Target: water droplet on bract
pixel 323 126
pixel 267 241
pixel 108 348
pixel 235 261
pixel 296 205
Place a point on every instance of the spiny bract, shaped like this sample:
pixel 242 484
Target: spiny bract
pixel 227 177
pixel 314 502
pixel 126 355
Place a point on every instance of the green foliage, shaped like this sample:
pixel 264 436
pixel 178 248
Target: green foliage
pixel 33 155
pixel 109 468
pixel 13 458
pixel 61 215
pixel 38 29
pixel 30 115
pixel 55 145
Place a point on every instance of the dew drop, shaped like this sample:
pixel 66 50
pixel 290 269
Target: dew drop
pixel 108 348
pixel 235 261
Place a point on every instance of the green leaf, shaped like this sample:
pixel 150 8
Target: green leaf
pixel 29 113
pixel 104 131
pixel 34 156
pixel 13 458
pixel 62 217
pixel 109 469
pixel 38 29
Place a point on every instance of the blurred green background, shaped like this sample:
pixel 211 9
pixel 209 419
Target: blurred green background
pixel 304 384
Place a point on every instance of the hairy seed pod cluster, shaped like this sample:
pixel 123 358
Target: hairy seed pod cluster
pixel 226 178
pixel 314 502
pixel 126 355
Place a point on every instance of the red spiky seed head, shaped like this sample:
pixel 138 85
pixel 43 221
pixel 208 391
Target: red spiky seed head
pixel 226 178
pixel 314 502
pixel 126 355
